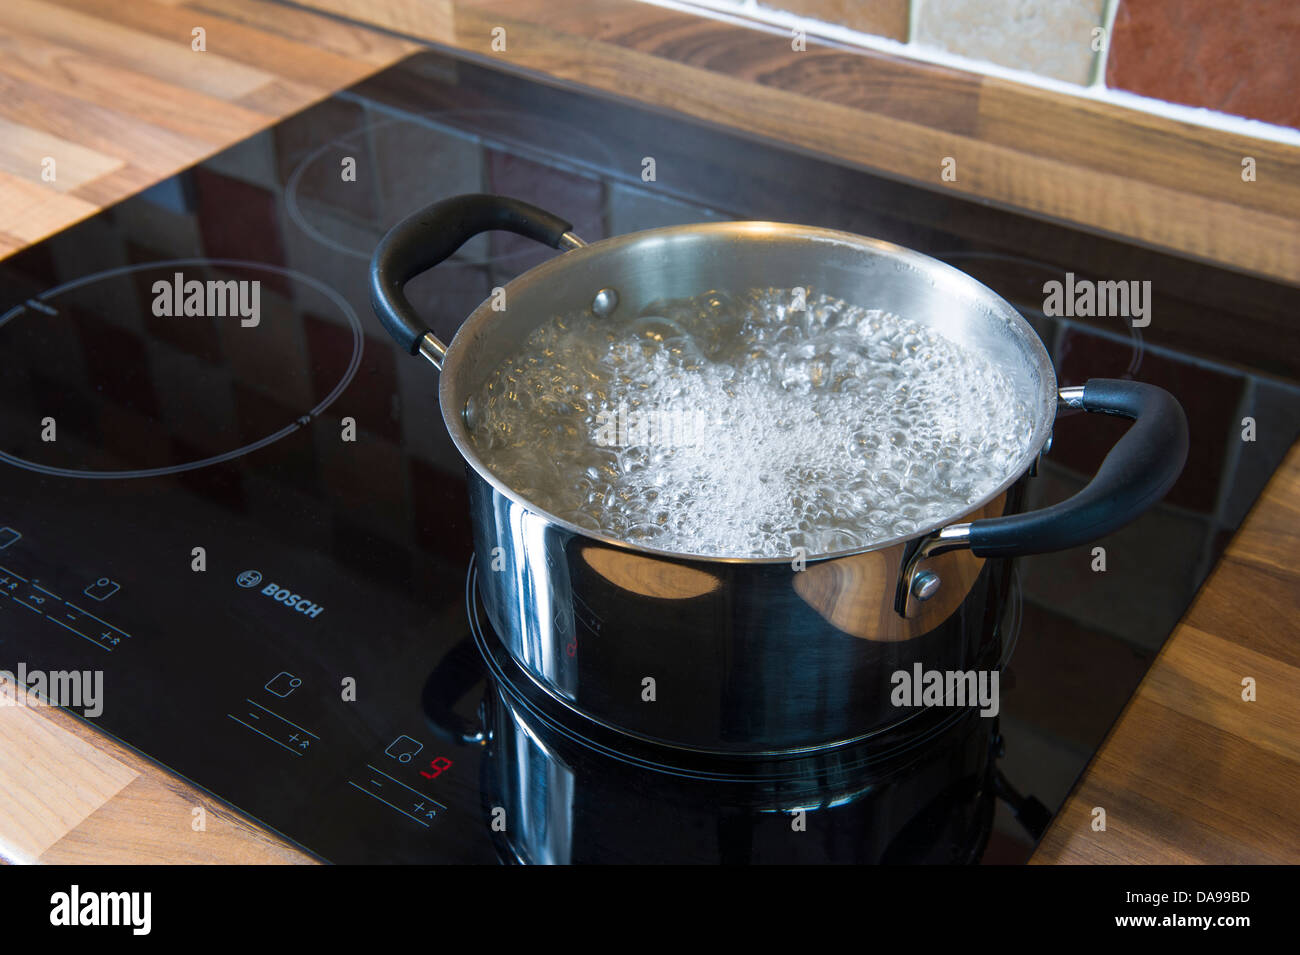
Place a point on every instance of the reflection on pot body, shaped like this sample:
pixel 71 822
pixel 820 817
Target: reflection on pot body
pixel 745 658
pixel 558 800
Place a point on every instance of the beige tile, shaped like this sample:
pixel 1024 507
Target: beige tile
pixel 1049 37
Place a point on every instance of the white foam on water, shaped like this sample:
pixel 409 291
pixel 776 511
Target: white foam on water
pixel 774 427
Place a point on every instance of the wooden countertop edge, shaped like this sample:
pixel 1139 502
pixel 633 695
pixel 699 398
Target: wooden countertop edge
pixel 1192 772
pixel 122 809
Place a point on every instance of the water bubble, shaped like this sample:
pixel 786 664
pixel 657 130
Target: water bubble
pixel 748 427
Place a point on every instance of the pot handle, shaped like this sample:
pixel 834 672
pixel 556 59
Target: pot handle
pixel 1137 472
pixel 427 237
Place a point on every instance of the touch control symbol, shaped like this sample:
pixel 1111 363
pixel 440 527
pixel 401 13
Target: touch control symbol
pixel 282 684
pixel 403 748
pixel 102 589
pixel 8 536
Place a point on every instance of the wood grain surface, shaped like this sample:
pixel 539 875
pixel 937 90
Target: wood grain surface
pixel 117 97
pixel 1192 772
pixel 114 92
pixel 71 795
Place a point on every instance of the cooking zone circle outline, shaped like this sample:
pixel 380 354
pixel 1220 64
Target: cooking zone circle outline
pixel 337 299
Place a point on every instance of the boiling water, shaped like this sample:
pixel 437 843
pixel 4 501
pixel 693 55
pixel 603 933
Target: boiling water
pixel 748 425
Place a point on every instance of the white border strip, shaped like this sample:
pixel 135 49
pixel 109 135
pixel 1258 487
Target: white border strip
pixel 749 14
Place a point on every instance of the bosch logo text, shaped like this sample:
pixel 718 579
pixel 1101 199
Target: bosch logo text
pixel 298 602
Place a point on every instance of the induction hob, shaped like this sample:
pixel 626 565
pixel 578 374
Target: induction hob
pixel 245 512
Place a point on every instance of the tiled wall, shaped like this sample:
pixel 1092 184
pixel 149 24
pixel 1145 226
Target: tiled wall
pixel 1241 58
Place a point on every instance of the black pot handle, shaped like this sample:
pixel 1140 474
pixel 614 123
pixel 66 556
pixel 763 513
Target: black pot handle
pixel 427 237
pixel 1136 473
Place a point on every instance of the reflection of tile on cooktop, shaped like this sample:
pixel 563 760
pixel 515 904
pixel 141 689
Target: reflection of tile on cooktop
pixel 1109 601
pixel 292 459
pixel 202 406
pixel 28 273
pixel 1009 843
pixel 1276 410
pixel 78 412
pixel 573 197
pixel 1038 763
pixel 101 245
pixel 435 494
pixel 632 209
pixel 366 479
pixel 372 398
pixel 1209 397
pixel 253 160
pixel 329 348
pixel 118 364
pixel 418 164
pixel 196 337
pixel 240 221
pixel 127 437
pixel 299 135
pixel 272 353
pixel 1070 679
pixel 446 295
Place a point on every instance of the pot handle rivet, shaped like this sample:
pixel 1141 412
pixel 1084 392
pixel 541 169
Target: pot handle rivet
pixel 604 303
pixel 925 585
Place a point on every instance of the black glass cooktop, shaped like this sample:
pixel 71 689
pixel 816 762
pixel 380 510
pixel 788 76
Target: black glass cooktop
pixel 223 488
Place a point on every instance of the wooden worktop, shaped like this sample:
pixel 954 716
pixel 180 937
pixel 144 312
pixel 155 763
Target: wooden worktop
pixel 1191 772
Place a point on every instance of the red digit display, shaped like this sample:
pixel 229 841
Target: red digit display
pixel 438 765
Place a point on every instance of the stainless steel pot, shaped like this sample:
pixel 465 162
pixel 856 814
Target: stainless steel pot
pixel 552 795
pixel 753 656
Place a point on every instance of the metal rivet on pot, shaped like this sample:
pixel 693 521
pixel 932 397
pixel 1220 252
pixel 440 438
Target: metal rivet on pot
pixel 925 585
pixel 604 303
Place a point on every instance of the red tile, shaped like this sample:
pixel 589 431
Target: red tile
pixel 1238 58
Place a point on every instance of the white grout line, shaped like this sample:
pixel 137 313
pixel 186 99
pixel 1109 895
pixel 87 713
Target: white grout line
pixel 1100 61
pixel 779 22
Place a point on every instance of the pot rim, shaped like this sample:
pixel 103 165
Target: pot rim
pixel 479 324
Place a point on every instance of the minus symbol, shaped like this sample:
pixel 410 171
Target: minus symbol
pixel 41 307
